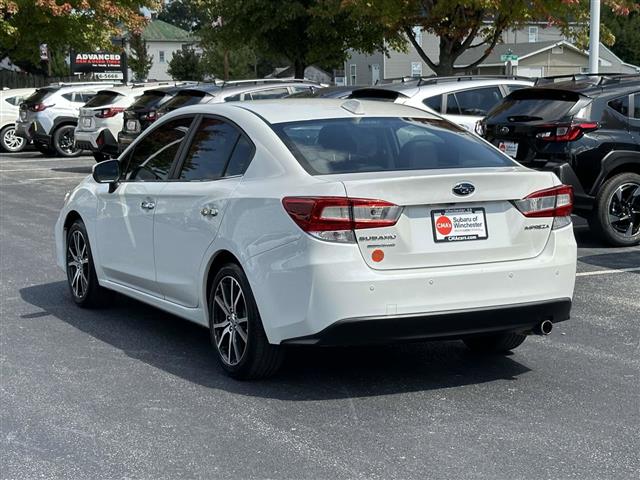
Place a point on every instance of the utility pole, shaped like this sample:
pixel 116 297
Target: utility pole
pixel 594 37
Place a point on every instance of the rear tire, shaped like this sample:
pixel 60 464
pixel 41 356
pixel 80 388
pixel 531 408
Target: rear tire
pixel 10 142
pixel 236 330
pixel 63 141
pixel 616 218
pixel 495 343
pixel 81 274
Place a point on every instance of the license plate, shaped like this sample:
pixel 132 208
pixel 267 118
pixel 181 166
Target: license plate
pixel 510 148
pixel 86 122
pixel 459 224
pixel 132 125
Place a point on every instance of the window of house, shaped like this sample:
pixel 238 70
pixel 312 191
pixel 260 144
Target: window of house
pixel 353 78
pixel 416 69
pixel 161 56
pixel 417 34
pixel 153 157
pixel 533 34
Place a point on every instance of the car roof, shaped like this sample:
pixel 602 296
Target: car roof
pixel 234 89
pixel 292 109
pixel 437 86
pixel 592 87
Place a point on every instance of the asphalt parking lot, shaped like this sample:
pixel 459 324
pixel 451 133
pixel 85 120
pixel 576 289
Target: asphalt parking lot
pixel 132 392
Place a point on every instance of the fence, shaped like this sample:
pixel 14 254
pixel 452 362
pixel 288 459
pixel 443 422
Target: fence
pixel 9 79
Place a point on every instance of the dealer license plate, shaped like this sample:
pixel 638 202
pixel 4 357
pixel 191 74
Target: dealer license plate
pixel 459 224
pixel 132 125
pixel 510 148
pixel 86 122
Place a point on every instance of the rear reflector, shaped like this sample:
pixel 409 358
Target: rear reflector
pixel 552 202
pixel 335 218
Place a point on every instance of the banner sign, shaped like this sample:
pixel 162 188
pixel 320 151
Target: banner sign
pixel 90 62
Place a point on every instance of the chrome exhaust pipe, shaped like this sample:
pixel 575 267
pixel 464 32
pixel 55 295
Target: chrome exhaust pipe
pixel 543 328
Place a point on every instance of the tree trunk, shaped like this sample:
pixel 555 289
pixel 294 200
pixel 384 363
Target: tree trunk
pixel 226 64
pixel 299 67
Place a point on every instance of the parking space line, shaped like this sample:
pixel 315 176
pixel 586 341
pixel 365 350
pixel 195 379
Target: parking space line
pixel 608 272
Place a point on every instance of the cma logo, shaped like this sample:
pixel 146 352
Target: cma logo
pixel 377 238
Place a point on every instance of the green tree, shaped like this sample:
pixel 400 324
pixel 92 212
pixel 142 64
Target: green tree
pixel 75 24
pixel 139 60
pixel 626 31
pixel 304 32
pixel 472 24
pixel 186 64
pixel 181 13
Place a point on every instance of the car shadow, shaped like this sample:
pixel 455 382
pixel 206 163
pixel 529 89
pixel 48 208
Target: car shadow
pixel 182 349
pixel 73 169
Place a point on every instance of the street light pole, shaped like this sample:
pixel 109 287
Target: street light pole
pixel 594 37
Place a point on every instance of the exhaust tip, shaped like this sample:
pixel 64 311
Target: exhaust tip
pixel 544 328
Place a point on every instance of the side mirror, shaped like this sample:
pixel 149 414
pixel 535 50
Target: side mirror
pixel 107 171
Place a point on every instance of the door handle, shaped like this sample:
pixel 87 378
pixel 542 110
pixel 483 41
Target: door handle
pixel 209 212
pixel 148 205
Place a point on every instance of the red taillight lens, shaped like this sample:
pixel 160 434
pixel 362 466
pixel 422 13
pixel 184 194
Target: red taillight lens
pixel 340 214
pixel 553 202
pixel 566 133
pixel 38 107
pixel 109 112
pixel 150 117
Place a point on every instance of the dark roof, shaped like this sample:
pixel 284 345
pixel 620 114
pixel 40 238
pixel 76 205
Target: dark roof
pixel 157 30
pixel 520 49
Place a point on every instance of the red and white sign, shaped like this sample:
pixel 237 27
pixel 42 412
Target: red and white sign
pixel 459 224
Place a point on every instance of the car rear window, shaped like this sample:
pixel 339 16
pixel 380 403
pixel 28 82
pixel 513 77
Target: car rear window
pixel 104 97
pixel 184 99
pixel 149 100
pixel 38 96
pixel 379 144
pixel 535 104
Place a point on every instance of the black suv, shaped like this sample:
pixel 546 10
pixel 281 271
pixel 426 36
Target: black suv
pixel 586 129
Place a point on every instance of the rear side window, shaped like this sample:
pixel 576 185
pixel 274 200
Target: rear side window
pixel 210 150
pixel 373 144
pixel 148 100
pixel 153 156
pixel 478 101
pixel 621 105
pixel 434 103
pixel 267 94
pixel 104 98
pixel 532 104
pixel 14 100
pixel 184 99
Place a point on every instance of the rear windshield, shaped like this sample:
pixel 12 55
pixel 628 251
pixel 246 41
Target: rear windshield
pixel 371 144
pixel 535 104
pixel 102 98
pixel 184 99
pixel 149 100
pixel 38 96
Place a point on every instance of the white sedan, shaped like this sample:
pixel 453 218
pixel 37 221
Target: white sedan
pixel 322 222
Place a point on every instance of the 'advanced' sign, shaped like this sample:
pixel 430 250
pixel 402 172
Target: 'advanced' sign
pixel 89 62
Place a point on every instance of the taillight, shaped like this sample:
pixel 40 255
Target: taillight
pixel 109 112
pixel 566 133
pixel 556 202
pixel 335 218
pixel 150 117
pixel 38 107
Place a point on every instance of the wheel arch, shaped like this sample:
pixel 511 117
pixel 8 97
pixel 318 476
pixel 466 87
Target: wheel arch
pixel 220 258
pixel 615 163
pixel 62 121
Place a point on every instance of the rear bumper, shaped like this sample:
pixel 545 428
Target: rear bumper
pixel 583 202
pixel 96 140
pixel 520 318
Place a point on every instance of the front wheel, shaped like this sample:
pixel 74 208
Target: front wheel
pixel 9 141
pixel 495 342
pixel 64 143
pixel 81 274
pixel 617 214
pixel 236 329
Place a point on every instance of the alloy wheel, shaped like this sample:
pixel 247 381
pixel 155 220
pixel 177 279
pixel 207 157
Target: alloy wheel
pixel 230 320
pixel 78 264
pixel 66 141
pixel 12 142
pixel 624 209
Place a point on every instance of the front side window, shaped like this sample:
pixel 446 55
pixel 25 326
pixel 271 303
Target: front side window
pixel 478 101
pixel 154 154
pixel 371 144
pixel 210 151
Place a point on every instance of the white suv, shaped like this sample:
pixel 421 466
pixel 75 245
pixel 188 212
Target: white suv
pixel 10 101
pixel 49 117
pixel 101 119
pixel 462 99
